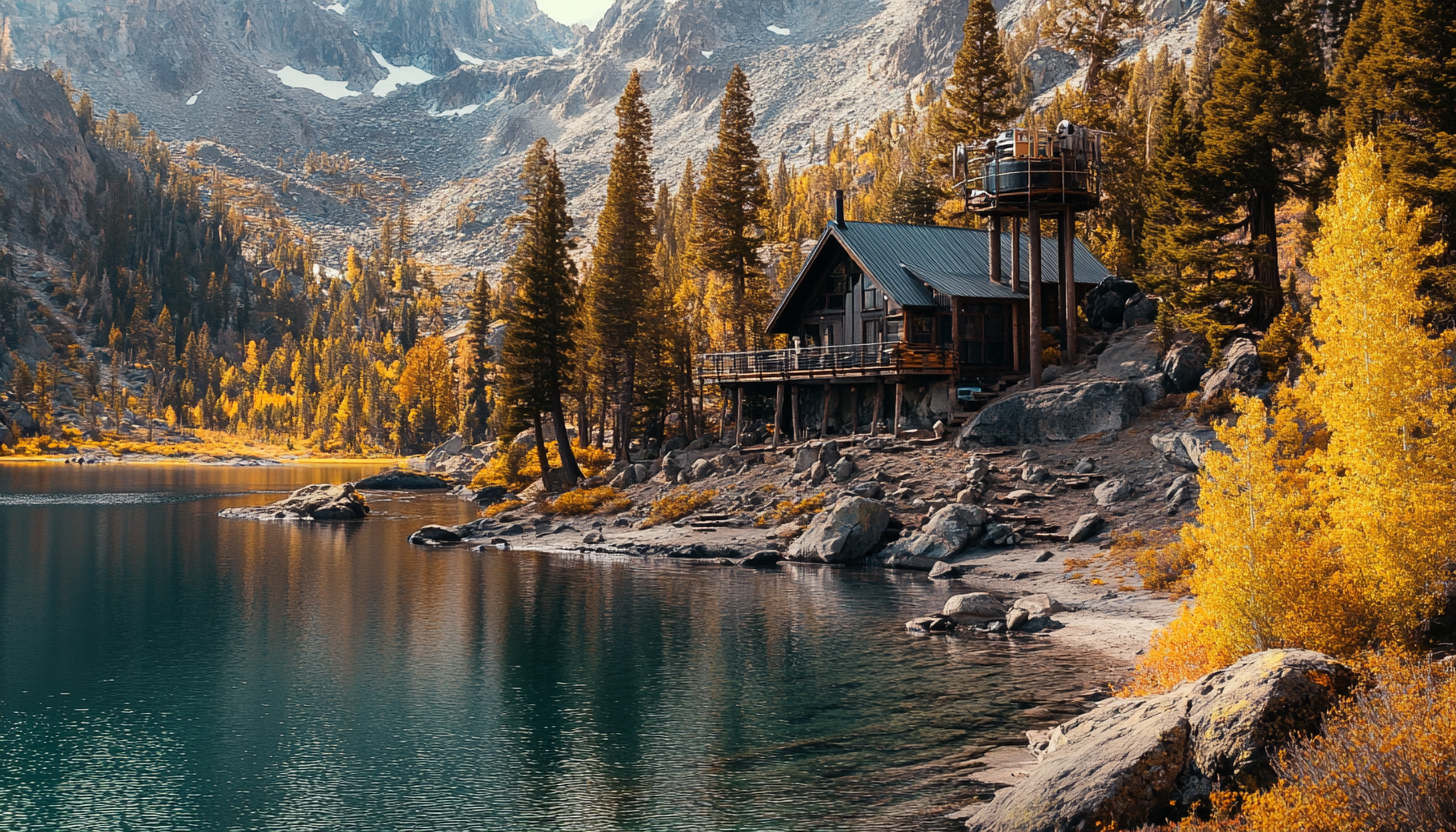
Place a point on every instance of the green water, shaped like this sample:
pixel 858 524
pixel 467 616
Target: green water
pixel 164 669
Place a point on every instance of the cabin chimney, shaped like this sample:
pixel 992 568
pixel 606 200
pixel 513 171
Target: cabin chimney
pixel 839 208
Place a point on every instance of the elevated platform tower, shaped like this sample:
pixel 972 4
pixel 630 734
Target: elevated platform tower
pixel 1028 173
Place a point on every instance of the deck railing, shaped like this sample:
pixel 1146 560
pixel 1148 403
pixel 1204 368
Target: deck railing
pixel 824 362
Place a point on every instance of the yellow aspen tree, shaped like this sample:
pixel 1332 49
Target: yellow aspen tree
pixel 1382 381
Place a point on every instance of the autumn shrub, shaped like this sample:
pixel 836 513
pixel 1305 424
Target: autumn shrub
pixel 1165 568
pixel 589 501
pixel 676 505
pixel 517 466
pixel 1187 648
pixel 1383 762
pixel 501 508
pixel 786 510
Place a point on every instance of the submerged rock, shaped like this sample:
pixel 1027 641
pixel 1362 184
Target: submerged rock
pixel 401 480
pixel 312 502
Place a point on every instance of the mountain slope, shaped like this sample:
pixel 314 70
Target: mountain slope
pixel 441 97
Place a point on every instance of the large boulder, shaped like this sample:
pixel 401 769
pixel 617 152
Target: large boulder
pixel 974 608
pixel 845 533
pixel 400 480
pixel 947 532
pixel 1185 448
pixel 1130 358
pixel 1184 365
pixel 1115 767
pixel 312 502
pixel 1055 414
pixel 1239 372
pixel 1106 303
pixel 1145 760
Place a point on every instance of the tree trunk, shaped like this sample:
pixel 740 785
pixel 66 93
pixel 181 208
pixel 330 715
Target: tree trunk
pixel 563 442
pixel 541 446
pixel 1263 224
pixel 623 440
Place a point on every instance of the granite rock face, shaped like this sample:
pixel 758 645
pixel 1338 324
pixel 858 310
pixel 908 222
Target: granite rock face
pixel 1145 760
pixel 1060 413
pixel 401 480
pixel 845 533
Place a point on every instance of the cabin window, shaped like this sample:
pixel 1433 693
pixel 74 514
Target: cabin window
pixel 894 330
pixel 829 335
pixel 922 329
pixel 837 288
pixel 871 298
pixel 984 329
pixel 874 331
pixel 810 337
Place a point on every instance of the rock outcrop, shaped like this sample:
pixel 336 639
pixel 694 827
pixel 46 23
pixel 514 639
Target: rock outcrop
pixel 1145 760
pixel 1060 413
pixel 845 533
pixel 948 531
pixel 1185 448
pixel 1238 373
pixel 312 502
pixel 401 480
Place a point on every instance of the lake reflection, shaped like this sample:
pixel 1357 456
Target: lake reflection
pixel 161 668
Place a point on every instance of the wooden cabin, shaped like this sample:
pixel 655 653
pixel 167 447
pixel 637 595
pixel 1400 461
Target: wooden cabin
pixel 879 304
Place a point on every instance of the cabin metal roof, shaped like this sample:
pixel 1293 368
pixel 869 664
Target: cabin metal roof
pixel 903 259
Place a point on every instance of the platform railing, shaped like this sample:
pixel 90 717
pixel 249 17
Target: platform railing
pixel 815 362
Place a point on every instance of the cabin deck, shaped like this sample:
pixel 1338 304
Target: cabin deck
pixel 846 361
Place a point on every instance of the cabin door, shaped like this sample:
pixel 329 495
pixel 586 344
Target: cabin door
pixel 986 334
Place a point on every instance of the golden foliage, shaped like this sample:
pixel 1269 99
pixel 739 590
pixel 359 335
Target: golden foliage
pixel 786 510
pixel 588 501
pixel 517 466
pixel 501 508
pixel 1185 649
pixel 677 505
pixel 1327 523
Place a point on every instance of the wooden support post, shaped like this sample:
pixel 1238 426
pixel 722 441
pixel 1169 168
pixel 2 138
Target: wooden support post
pixel 1069 285
pixel 899 405
pixel 778 417
pixel 994 235
pixel 798 430
pixel 738 418
pixel 1033 296
pixel 879 409
pixel 824 412
pixel 723 413
pixel 1016 254
pixel 853 411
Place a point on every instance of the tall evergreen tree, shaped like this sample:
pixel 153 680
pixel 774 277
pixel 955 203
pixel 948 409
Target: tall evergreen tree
pixel 541 329
pixel 623 258
pixel 1259 129
pixel 1206 51
pixel 730 205
pixel 1094 28
pixel 479 358
pixel 7 46
pixel 1404 92
pixel 978 98
pixel 1174 227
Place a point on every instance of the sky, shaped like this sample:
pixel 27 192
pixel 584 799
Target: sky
pixel 575 11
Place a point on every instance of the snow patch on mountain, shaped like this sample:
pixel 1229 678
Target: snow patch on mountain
pixel 461 111
pixel 468 58
pixel 779 30
pixel 300 80
pixel 399 76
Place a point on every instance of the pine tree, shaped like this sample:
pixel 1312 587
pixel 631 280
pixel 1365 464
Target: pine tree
pixel 536 355
pixel 1206 51
pixel 623 258
pixel 85 114
pixel 479 358
pixel 1094 28
pixel 1404 91
pixel 978 97
pixel 1175 222
pixel 1258 130
pixel 730 207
